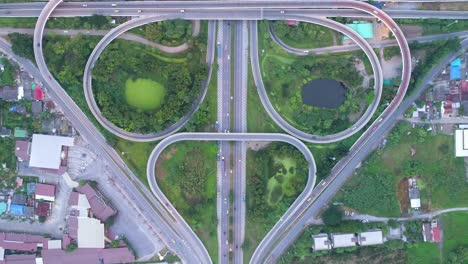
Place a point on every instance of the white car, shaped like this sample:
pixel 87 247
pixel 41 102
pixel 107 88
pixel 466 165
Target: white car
pixel 182 10
pixel 85 5
pixel 114 4
pixel 139 11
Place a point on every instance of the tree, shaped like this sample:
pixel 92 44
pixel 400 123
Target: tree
pixel 22 45
pixel 393 223
pixel 332 216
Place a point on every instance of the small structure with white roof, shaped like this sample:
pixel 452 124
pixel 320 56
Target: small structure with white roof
pixel 368 238
pixel 343 240
pixel 461 141
pixel 321 242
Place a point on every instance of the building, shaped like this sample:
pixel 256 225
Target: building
pixel 81 255
pixel 20 133
pixel 363 28
pixel 9 93
pixel 321 242
pixel 21 210
pixel 461 141
pixel 90 233
pixel 413 192
pixel 43 209
pixel 36 108
pixel 22 150
pixel 455 71
pixel 19 199
pixel 431 231
pixel 38 93
pixel 343 240
pixel 47 151
pixel 3 207
pixel 31 188
pixel 100 209
pixel 45 192
pixel 368 238
pixel 5 132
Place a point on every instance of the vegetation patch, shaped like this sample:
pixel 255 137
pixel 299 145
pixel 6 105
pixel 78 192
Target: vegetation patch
pixel 190 185
pixel 285 74
pixel 179 79
pixel 144 94
pixel 374 189
pixel 168 32
pixel 305 35
pixel 272 186
pixel 423 253
pixel 455 235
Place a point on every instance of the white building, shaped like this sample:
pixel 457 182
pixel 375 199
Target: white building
pixel 343 240
pixel 46 151
pixel 461 141
pixel 370 238
pixel 90 233
pixel 321 242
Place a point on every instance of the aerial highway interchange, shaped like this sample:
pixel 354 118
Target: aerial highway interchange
pixel 241 16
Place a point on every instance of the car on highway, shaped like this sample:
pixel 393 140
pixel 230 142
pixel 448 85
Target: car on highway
pixel 139 11
pixel 114 5
pixel 182 10
pixel 85 5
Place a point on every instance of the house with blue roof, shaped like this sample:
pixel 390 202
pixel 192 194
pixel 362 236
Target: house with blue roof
pixel 455 71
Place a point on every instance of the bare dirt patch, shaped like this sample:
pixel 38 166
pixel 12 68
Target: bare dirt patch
pixel 160 172
pixel 403 196
pixel 412 30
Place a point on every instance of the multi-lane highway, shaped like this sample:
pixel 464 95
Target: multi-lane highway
pixel 139 8
pixel 240 10
pixel 161 222
pixel 224 125
pixel 240 148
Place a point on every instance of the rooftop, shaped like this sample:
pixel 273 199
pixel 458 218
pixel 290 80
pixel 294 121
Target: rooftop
pixel 321 242
pixel 45 190
pixel 343 240
pixel 46 151
pixel 90 233
pixel 22 150
pixel 99 208
pixel 461 143
pixel 371 238
pixel 364 29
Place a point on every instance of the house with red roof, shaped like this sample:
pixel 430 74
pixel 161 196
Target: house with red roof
pixel 38 93
pixel 431 231
pixel 42 209
pixel 45 192
pixel 22 150
pixel 100 209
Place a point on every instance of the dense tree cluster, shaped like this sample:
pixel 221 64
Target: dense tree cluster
pixel 8 75
pixel 332 216
pixel 183 82
pixel 458 256
pixel 169 32
pixel 22 45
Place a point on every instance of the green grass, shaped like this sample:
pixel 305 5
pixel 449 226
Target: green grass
pixel 267 196
pixel 423 253
pixel 202 216
pixel 144 94
pixel 18 22
pixel 136 155
pixel 374 189
pixel 455 231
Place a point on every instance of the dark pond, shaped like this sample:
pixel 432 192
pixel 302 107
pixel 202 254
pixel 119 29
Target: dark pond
pixel 327 93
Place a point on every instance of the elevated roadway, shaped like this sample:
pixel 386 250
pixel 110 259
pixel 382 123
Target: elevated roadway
pixel 87 84
pixel 363 120
pixel 135 8
pixel 345 167
pixel 237 10
pixel 351 47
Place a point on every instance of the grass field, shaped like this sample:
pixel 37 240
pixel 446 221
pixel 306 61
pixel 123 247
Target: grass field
pixel 280 183
pixel 423 253
pixel 172 178
pixel 455 231
pixel 136 155
pixel 144 94
pixel 374 189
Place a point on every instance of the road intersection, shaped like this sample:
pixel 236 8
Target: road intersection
pixel 164 217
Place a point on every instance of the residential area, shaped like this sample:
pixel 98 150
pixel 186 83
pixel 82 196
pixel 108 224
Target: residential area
pixel 47 214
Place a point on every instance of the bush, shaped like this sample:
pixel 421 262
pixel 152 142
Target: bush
pixel 332 216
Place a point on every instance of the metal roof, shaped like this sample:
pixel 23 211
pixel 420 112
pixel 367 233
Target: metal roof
pixel 46 150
